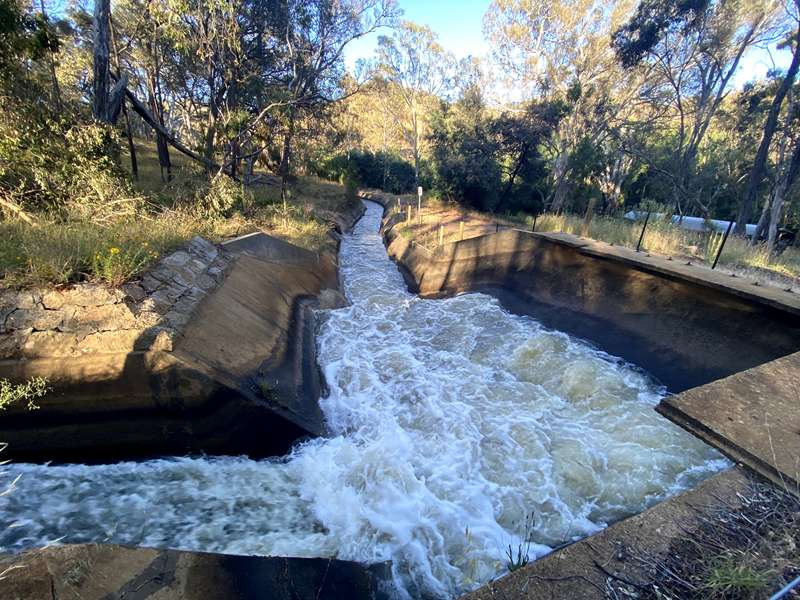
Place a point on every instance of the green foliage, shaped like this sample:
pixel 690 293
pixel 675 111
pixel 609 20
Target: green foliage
pixel 652 19
pixel 218 198
pixel 732 577
pixel 520 136
pixel 22 36
pixel 379 170
pixel 351 187
pixel 519 556
pixel 464 154
pixel 116 265
pixel 30 391
pixel 56 164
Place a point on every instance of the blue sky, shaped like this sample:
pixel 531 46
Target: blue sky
pixel 459 24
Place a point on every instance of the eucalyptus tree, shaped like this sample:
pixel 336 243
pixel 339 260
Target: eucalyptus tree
pixel 691 50
pixel 314 39
pixel 558 51
pixel 465 152
pixel 240 72
pixel 418 69
pixel 770 126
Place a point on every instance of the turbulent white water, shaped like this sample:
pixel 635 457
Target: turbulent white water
pixel 453 421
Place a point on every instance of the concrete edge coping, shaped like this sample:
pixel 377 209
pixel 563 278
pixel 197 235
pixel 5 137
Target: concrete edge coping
pixel 580 569
pixel 736 413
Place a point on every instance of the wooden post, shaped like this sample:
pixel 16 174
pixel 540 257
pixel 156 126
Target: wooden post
pixel 461 230
pixel 408 218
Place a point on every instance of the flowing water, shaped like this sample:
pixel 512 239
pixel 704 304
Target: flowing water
pixel 458 430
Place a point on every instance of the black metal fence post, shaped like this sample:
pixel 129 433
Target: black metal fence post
pixel 533 227
pixel 722 245
pixel 496 226
pixel 641 235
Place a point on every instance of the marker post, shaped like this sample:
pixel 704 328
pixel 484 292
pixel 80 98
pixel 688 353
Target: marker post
pixel 419 203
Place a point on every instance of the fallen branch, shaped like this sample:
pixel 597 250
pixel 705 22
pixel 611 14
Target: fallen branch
pixel 148 118
pixel 16 209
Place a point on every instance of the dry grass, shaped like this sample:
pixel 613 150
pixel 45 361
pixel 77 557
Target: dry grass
pixel 59 251
pixel 748 549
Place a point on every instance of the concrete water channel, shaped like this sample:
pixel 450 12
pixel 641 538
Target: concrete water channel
pixel 454 427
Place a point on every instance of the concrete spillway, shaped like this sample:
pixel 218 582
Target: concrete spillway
pixel 452 422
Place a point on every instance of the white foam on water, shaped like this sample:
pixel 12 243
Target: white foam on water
pixel 452 422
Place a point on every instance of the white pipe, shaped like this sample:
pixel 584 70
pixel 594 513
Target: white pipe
pixel 690 223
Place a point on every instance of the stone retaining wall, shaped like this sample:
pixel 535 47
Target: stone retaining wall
pixel 92 318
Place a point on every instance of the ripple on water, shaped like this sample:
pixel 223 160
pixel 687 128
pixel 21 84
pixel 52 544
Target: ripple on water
pixel 453 420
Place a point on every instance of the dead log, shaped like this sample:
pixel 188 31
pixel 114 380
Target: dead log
pixel 100 99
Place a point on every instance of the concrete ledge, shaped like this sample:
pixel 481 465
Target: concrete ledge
pixel 753 417
pixel 110 572
pixel 580 571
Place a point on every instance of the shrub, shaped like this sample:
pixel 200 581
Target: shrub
pixel 53 163
pixel 219 198
pixel 380 170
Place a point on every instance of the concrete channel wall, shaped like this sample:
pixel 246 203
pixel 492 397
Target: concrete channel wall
pixel 685 325
pixel 211 351
pixel 111 572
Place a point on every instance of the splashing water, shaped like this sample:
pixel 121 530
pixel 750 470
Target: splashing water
pixel 453 424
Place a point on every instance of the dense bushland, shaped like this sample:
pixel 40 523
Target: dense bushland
pixel 378 170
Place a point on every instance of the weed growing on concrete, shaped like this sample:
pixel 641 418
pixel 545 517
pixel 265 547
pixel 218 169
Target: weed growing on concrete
pixel 748 548
pixel 29 391
pixel 736 575
pixel 518 557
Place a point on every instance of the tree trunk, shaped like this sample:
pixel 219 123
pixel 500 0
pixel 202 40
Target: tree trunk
pixel 763 221
pixel 121 87
pixel 161 141
pixel 777 202
pixel 141 110
pixel 775 218
pixel 52 63
pixel 561 186
pixel 285 166
pixel 415 149
pixel 587 218
pixel 102 11
pixel 560 195
pixel 131 145
pixel 213 116
pixel 759 165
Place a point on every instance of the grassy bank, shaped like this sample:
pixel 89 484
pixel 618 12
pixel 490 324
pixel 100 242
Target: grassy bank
pixel 158 218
